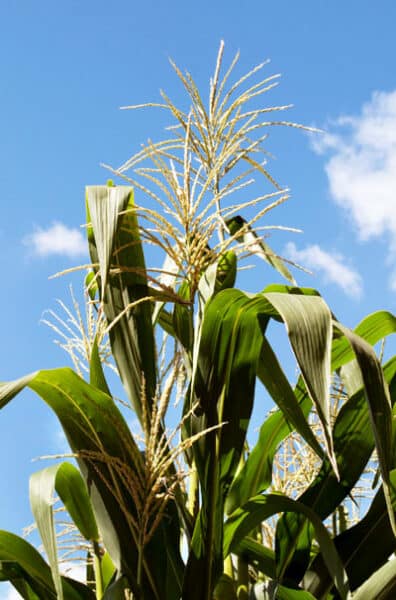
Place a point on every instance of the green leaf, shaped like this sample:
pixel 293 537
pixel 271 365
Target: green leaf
pixel 105 203
pixel 224 377
pixel 117 255
pixel 230 343
pixel 183 319
pixel 380 408
pixel 108 569
pixel 260 508
pixel 98 434
pixel 66 480
pixel 18 578
pixel 288 289
pixel 91 285
pixel 117 590
pixel 372 328
pixel 96 374
pixel 16 550
pixel 363 548
pixel 353 444
pixel 381 585
pixel 269 590
pixel 256 474
pixel 226 272
pixel 309 327
pixel 256 554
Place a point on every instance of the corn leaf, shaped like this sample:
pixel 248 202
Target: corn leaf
pixel 256 473
pixel 66 480
pixel 97 432
pixel 117 255
pixel 30 565
pixel 309 327
pixel 380 408
pixel 363 548
pixel 225 370
pixel 260 508
pixel 353 444
pixel 381 585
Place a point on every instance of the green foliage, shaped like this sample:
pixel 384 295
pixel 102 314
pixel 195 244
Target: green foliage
pixel 181 511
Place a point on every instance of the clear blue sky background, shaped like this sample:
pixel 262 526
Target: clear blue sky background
pixel 66 67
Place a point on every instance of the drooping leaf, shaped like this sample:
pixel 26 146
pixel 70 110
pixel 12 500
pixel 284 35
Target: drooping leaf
pixel 363 548
pixel 225 369
pixel 98 434
pixel 116 249
pixel 372 328
pixel 380 408
pixel 66 480
pixel 290 289
pixel 353 444
pixel 18 551
pixel 256 474
pixel 381 585
pixel 260 508
pixel 309 327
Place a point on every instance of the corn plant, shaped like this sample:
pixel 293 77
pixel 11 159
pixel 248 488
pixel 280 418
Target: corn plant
pixel 181 510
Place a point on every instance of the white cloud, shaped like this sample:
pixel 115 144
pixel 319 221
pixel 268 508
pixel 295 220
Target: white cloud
pixel 361 167
pixel 57 239
pixel 9 592
pixel 331 266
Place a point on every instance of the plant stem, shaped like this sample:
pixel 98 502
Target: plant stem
pixel 98 571
pixel 243 579
pixel 192 504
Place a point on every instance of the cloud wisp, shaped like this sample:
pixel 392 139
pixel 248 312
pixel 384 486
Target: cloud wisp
pixel 58 239
pixel 330 266
pixel 360 164
pixel 10 593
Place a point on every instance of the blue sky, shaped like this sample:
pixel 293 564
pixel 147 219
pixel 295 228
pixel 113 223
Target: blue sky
pixel 65 69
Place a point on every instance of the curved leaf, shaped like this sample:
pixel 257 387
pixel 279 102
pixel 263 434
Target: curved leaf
pixel 256 474
pixel 96 373
pixel 117 255
pixel 98 434
pixel 381 585
pixel 354 444
pixel 14 549
pixel 256 554
pixel 363 548
pixel 372 328
pixel 380 408
pixel 225 369
pixel 260 508
pixel 309 326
